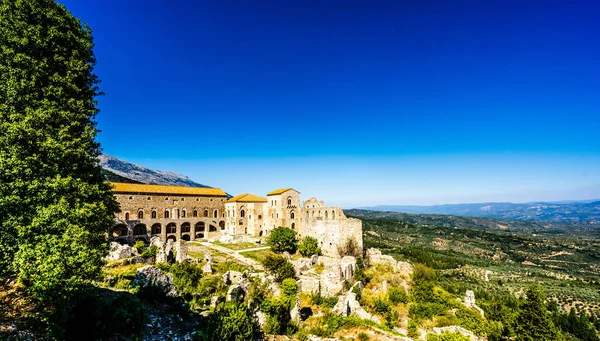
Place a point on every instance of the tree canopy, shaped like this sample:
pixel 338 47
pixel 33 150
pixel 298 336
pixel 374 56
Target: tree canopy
pixel 55 207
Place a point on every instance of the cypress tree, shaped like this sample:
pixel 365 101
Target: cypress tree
pixel 55 207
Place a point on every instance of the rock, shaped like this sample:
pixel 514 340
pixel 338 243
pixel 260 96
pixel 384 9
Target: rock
pixel 215 300
pixel 469 302
pixel 384 286
pixel 261 318
pixel 181 248
pixel 232 277
pixel 151 277
pixel 358 286
pixel 348 267
pixel 236 293
pixel 301 265
pixel 459 330
pixel 118 251
pixel 287 255
pixel 208 257
pixel 309 285
pixel 207 268
pixel 295 311
pixel 314 259
pixel 348 305
pixel 405 269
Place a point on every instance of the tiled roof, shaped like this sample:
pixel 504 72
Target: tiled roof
pixel 279 191
pixel 247 198
pixel 119 187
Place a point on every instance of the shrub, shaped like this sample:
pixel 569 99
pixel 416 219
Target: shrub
pixel 279 267
pixel 309 246
pixel 140 245
pixel 289 287
pixel 186 277
pixel 283 239
pixel 397 295
pixel 150 252
pixel 349 248
pixel 230 321
pixel 323 301
pixel 447 336
pixel 363 337
pixel 381 306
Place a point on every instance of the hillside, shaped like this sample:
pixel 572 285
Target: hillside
pixel 569 211
pixel 124 171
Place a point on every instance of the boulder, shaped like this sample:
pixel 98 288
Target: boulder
pixel 314 259
pixel 150 277
pixel 118 251
pixel 384 286
pixel 405 269
pixel 215 300
pixel 287 255
pixel 348 305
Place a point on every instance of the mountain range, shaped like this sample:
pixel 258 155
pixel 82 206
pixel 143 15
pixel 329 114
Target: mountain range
pixel 565 211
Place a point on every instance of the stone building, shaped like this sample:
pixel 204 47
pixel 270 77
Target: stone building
pixel 189 213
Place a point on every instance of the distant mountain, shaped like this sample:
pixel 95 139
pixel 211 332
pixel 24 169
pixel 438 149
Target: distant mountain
pixel 122 171
pixel 566 211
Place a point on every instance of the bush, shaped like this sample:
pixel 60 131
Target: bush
pixel 397 295
pixel 150 252
pixel 230 321
pixel 329 302
pixel 363 337
pixel 186 277
pixel 350 248
pixel 279 267
pixel 447 336
pixel 283 239
pixel 289 287
pixel 309 246
pixel 381 306
pixel 140 246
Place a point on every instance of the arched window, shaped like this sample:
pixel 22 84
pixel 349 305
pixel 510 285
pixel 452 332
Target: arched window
pixel 326 215
pixel 140 214
pixel 292 215
pixel 205 213
pixel 293 226
pixel 332 214
pixel 183 214
pixel 127 216
pixel 289 201
pixel 166 213
pixel 242 213
pixel 156 228
pixel 215 214
pixel 222 225
pixel 195 214
pixel 153 214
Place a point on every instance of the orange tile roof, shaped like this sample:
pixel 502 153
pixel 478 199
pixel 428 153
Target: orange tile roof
pixel 119 187
pixel 247 198
pixel 281 190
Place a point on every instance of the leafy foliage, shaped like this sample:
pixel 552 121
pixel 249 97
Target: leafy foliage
pixel 279 267
pixel 397 295
pixel 230 321
pixel 309 246
pixel 534 321
pixel 283 239
pixel 350 248
pixel 54 205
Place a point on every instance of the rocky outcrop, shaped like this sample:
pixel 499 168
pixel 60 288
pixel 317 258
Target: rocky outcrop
pixel 459 330
pixel 295 311
pixel 348 267
pixel 232 277
pixel 376 257
pixel 181 251
pixel 118 251
pixel 236 293
pixel 348 305
pixel 309 285
pixel 150 277
pixel 469 302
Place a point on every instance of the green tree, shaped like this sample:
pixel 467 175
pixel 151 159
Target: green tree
pixel 279 267
pixel 230 321
pixel 55 207
pixel 534 321
pixel 283 239
pixel 309 246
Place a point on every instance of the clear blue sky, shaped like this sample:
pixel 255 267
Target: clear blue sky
pixel 358 103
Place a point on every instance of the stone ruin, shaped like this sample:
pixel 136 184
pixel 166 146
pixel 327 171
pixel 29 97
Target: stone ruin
pixel 469 302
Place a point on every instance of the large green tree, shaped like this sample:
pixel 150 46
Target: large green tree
pixel 55 207
pixel 534 321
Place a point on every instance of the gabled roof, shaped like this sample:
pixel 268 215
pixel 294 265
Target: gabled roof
pixel 119 187
pixel 247 197
pixel 281 190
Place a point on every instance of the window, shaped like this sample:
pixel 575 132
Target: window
pixel 332 214
pixel 242 213
pixel 326 215
pixel 140 214
pixel 130 198
pixel 259 216
pixel 289 202
pixel 166 198
pixel 215 214
pixel 166 213
pixel 293 226
pixel 182 199
pixel 292 215
pixel 127 216
pixel 149 198
pixel 195 214
pixel 197 199
pixel 153 214
pixel 183 214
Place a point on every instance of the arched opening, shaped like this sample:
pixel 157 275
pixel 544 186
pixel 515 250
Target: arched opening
pixel 205 213
pixel 289 201
pixel 326 215
pixel 176 214
pixel 195 214
pixel 171 228
pixel 166 213
pixel 222 225
pixel 185 227
pixel 140 214
pixel 200 235
pixel 246 230
pixel 292 215
pixel 242 213
pixel 212 228
pixel 126 215
pixel 122 241
pixel 332 214
pixel 293 226
pixel 153 214
pixel 173 238
pixel 119 230
pixel 260 233
pixel 156 229
pixel 186 237
pixel 200 226
pixel 139 229
pixel 183 213
pixel 215 214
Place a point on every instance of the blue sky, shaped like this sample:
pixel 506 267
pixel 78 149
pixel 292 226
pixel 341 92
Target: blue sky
pixel 358 103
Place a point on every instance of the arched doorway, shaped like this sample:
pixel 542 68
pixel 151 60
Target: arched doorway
pixel 139 230
pixel 200 226
pixel 171 228
pixel 156 228
pixel 186 237
pixel 185 227
pixel 222 225
pixel 120 230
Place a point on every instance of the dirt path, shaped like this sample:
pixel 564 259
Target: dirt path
pixel 236 254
